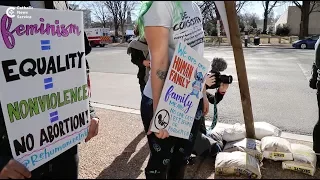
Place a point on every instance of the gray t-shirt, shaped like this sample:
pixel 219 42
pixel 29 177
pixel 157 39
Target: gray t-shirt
pixel 189 27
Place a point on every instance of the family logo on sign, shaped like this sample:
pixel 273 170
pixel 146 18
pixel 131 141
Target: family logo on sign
pixel 181 92
pixel 44 93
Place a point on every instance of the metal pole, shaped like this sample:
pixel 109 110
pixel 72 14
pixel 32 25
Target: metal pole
pixel 240 66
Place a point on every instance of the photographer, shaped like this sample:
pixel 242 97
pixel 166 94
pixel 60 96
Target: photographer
pixel 213 144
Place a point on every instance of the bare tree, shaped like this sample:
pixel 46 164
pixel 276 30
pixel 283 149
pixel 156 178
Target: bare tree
pixel 119 11
pixel 248 18
pixel 99 10
pixel 277 18
pixel 307 7
pixel 268 7
pixel 240 5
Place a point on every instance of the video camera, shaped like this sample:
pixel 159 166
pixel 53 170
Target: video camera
pixel 218 65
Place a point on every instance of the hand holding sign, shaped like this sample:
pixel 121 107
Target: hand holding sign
pixel 93 129
pixel 14 170
pixel 161 122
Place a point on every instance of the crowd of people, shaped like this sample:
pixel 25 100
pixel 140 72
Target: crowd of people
pixel 159 27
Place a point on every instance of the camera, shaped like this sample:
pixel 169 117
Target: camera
pixel 221 78
pixel 218 65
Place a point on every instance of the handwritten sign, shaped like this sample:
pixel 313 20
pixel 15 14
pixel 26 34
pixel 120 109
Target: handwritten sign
pixel 43 87
pixel 181 93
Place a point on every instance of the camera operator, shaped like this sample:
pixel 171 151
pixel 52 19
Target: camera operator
pixel 205 144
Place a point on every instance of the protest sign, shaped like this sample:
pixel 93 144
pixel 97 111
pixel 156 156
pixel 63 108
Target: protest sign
pixel 181 92
pixel 43 86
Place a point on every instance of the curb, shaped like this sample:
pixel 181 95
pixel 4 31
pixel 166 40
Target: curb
pixel 285 135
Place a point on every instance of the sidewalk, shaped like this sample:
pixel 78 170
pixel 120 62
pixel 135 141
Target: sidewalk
pixel 252 46
pixel 121 151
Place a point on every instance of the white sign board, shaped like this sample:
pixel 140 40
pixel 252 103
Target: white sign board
pixel 43 86
pixel 181 92
pixel 223 14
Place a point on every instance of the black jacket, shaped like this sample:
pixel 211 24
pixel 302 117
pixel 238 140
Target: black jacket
pixel 137 58
pixel 5 151
pixel 315 67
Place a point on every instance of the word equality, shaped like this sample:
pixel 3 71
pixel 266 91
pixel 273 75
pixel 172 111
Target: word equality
pixel 41 65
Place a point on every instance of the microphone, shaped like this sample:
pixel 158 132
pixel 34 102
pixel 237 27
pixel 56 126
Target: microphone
pixel 218 65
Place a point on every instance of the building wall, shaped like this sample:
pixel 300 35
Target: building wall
pixel 293 17
pixel 282 20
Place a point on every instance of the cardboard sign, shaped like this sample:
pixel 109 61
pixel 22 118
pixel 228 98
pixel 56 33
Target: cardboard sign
pixel 43 86
pixel 181 92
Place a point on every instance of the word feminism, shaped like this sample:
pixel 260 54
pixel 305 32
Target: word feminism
pixel 10 30
pixel 41 65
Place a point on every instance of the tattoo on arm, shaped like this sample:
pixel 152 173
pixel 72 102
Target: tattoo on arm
pixel 162 74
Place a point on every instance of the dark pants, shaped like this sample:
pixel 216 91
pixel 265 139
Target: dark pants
pixel 142 85
pixel 316 129
pixel 168 157
pixel 64 166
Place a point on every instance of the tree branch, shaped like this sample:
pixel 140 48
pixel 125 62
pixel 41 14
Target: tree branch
pixel 297 4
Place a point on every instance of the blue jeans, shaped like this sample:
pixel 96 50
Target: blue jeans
pixel 168 157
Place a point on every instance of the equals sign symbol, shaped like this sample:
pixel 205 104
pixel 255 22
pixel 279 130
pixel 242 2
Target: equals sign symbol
pixel 54 116
pixel 48 84
pixel 45 45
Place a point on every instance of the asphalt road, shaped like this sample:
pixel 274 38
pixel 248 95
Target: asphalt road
pixel 278 82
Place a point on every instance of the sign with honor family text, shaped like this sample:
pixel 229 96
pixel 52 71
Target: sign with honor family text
pixel 43 86
pixel 181 92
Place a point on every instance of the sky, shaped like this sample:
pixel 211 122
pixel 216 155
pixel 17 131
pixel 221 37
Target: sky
pixel 256 7
pixel 250 7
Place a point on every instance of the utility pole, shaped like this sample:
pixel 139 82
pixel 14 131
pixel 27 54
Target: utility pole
pixel 230 7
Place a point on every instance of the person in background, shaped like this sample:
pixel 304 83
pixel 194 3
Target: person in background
pixel 138 49
pixel 163 23
pixel 314 83
pixel 66 164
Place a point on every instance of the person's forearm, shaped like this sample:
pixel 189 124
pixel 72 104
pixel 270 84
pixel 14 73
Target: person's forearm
pixel 159 70
pixel 204 92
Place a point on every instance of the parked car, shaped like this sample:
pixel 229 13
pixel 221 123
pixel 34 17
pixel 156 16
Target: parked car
pixel 307 43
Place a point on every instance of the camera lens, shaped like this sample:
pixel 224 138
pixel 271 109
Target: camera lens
pixel 226 79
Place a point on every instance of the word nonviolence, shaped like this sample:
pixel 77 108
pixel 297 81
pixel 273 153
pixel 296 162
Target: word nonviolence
pixel 41 65
pixel 33 106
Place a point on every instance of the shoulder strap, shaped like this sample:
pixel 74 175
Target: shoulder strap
pixel 215 115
